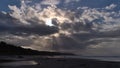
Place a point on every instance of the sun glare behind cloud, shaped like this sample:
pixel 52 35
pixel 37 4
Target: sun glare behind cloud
pixel 49 22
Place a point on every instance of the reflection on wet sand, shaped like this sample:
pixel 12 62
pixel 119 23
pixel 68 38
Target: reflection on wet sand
pixel 19 63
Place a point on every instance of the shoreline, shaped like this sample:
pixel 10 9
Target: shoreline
pixel 62 63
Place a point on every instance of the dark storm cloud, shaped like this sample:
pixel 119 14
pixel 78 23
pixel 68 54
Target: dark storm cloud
pixel 12 26
pixel 19 30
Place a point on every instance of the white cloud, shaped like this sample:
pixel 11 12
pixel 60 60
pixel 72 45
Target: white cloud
pixel 50 2
pixel 68 1
pixel 101 20
pixel 26 12
pixel 39 15
pixel 110 7
pixel 17 14
pixel 4 12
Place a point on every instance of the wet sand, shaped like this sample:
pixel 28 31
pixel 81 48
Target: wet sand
pixel 66 63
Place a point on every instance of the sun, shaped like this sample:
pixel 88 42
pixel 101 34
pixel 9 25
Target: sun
pixel 48 22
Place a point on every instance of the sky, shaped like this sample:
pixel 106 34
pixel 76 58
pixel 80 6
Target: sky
pixel 84 27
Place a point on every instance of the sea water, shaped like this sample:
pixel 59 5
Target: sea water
pixel 102 58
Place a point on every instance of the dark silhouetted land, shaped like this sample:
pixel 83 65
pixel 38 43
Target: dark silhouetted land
pixel 9 49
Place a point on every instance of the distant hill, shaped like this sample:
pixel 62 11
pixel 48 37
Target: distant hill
pixel 9 49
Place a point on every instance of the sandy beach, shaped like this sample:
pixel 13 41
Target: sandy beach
pixel 50 62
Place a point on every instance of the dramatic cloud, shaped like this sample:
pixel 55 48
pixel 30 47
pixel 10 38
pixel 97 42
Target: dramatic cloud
pixel 23 30
pixel 46 26
pixel 29 13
